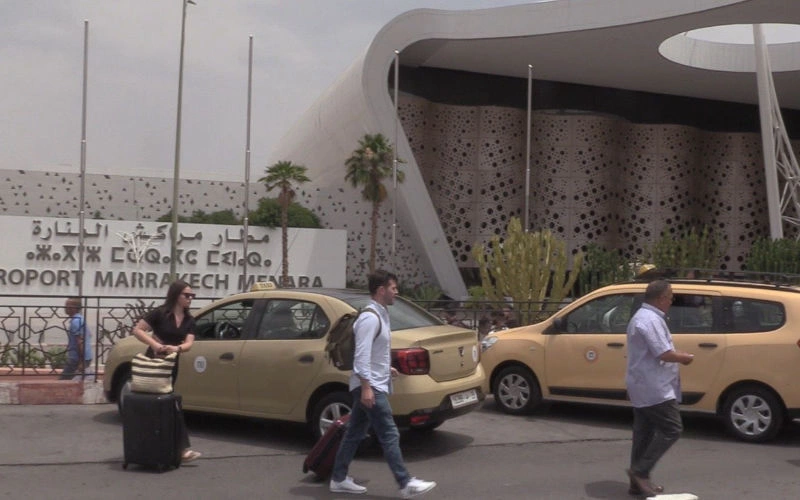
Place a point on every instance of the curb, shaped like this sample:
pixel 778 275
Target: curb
pixel 51 392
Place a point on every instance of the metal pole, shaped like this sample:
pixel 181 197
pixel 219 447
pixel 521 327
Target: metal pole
pixel 767 134
pixel 173 250
pixel 247 163
pixel 81 212
pixel 528 153
pixel 394 160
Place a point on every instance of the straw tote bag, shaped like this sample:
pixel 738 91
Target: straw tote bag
pixel 153 375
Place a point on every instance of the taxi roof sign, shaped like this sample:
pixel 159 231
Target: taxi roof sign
pixel 260 286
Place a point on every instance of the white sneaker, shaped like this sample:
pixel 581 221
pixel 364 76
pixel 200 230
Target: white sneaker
pixel 347 486
pixel 416 487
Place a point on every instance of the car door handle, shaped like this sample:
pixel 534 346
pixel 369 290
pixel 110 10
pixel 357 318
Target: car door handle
pixel 308 358
pixel 707 345
pixel 228 356
pixel 615 344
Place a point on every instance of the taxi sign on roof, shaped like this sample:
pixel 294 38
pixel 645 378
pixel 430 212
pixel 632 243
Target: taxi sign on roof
pixel 260 286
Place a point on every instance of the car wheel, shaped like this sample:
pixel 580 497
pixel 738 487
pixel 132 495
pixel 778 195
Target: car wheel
pixel 517 391
pixel 753 414
pixel 328 409
pixel 123 387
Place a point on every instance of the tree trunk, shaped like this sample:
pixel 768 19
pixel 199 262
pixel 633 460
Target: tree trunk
pixel 285 239
pixel 373 237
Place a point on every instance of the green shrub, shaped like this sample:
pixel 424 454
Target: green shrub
pixel 8 356
pixel 602 267
pixel 268 214
pixel 26 356
pixel 57 356
pixel 693 249
pixel 774 256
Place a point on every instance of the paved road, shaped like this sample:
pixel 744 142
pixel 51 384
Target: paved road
pixel 567 452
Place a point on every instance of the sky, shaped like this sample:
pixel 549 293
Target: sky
pixel 300 47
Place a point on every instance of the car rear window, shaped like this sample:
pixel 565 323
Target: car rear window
pixel 741 315
pixel 402 314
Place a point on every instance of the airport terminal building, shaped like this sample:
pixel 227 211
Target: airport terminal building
pixel 637 127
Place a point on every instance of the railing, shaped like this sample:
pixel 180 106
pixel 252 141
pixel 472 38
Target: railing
pixel 33 331
pixel 484 316
pixel 33 328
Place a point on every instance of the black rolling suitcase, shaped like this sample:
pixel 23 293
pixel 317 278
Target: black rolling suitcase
pixel 322 456
pixel 151 431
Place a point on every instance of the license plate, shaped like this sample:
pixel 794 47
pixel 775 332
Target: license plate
pixel 464 398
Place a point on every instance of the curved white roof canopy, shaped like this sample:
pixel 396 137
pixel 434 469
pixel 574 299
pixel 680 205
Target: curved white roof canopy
pixel 607 43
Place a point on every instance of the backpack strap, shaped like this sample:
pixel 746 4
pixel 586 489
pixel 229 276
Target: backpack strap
pixel 380 324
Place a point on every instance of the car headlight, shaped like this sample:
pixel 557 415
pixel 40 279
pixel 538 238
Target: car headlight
pixel 488 342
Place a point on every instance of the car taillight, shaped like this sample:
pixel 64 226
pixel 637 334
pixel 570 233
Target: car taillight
pixel 413 361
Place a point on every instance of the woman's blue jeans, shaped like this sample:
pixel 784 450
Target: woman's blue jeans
pixel 385 430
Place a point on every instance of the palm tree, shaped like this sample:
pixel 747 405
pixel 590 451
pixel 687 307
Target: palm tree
pixel 368 166
pixel 284 175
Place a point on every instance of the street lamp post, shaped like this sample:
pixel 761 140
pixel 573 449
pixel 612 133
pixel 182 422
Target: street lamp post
pixel 528 152
pixel 82 212
pixel 246 218
pixel 173 251
pixel 394 158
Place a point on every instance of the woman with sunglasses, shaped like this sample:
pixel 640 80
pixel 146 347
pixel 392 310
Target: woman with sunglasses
pixel 172 327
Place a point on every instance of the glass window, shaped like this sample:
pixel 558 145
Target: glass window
pixel 740 315
pixel 402 314
pixel 691 313
pixel 609 314
pixel 224 322
pixel 293 319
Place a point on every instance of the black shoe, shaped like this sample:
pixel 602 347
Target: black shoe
pixel 634 490
pixel 642 486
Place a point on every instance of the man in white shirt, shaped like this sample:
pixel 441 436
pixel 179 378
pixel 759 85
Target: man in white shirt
pixel 370 385
pixel 653 382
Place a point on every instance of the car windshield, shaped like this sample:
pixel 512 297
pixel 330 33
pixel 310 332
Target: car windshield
pixel 402 314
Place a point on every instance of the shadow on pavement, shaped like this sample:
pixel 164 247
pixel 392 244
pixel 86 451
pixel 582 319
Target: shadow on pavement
pixel 608 489
pixel 295 437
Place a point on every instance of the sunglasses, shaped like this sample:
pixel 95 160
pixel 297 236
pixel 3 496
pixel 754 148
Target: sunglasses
pixel 189 295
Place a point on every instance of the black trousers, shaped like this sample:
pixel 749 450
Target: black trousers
pixel 655 429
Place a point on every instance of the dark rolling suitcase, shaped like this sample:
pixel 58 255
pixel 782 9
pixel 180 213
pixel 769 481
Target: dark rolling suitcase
pixel 321 457
pixel 150 430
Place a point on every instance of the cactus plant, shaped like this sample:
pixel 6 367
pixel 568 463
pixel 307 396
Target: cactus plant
pixel 525 267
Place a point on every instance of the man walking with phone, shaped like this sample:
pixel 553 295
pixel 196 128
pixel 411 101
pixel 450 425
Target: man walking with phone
pixel 653 382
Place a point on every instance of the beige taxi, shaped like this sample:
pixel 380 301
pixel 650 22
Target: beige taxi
pixel 261 354
pixel 745 337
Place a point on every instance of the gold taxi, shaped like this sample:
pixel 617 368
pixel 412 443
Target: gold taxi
pixel 262 354
pixel 745 337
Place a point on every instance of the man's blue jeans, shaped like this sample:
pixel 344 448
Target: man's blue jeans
pixel 380 417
